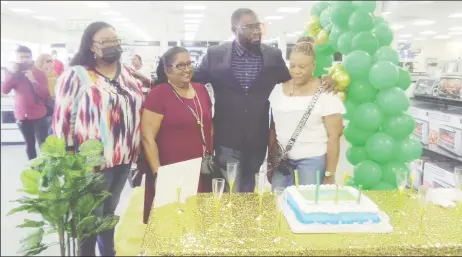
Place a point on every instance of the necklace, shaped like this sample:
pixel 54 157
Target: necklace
pixel 197 111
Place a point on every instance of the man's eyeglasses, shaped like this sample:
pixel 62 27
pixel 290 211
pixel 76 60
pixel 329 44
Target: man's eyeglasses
pixel 183 66
pixel 110 42
pixel 251 27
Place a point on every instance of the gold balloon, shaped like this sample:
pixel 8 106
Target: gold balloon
pixel 313 26
pixel 342 95
pixel 335 67
pixel 322 37
pixel 342 80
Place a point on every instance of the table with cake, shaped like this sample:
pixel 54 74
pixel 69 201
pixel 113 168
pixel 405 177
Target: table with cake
pixel 317 220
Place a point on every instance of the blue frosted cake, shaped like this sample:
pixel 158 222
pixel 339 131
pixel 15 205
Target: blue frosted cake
pixel 343 209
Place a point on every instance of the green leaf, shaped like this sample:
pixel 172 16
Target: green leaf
pixel 95 160
pixel 31 224
pixel 87 224
pixel 34 163
pixel 85 204
pixel 91 147
pixel 33 250
pixel 30 181
pixel 54 147
pixel 33 239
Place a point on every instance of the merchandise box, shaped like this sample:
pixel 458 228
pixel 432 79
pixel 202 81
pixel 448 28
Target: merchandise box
pixel 445 132
pixel 439 174
pixel 421 115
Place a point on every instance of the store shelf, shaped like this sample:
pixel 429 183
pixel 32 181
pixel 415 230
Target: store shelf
pixel 439 155
pixel 445 102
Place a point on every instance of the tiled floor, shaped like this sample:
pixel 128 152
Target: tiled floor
pixel 13 160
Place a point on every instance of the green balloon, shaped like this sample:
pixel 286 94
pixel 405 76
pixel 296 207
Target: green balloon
pixel 334 35
pixel 325 19
pixel 356 154
pixel 344 42
pixel 384 186
pixel 349 106
pixel 386 53
pixel 389 171
pixel 356 136
pixel 392 101
pixel 357 64
pixel 318 7
pixel 361 91
pixel 324 61
pixel 404 80
pixel 350 183
pixel 399 126
pixel 360 20
pixel 367 117
pixel 341 13
pixel 365 41
pixel 380 20
pixel 383 74
pixel 368 174
pixel 383 33
pixel 380 147
pixel 409 149
pixel 368 6
pixel 328 28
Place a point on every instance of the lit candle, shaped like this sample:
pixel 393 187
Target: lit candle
pixel 336 194
pixel 296 177
pixel 318 181
pixel 358 201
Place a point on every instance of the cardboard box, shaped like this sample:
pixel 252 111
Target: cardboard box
pixel 445 132
pixel 439 174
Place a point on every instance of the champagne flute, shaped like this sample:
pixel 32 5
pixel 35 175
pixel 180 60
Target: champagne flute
pixel 178 195
pixel 231 170
pixel 279 201
pixel 458 177
pixel 259 187
pixel 423 200
pixel 218 185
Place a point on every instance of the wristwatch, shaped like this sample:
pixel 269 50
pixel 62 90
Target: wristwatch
pixel 329 174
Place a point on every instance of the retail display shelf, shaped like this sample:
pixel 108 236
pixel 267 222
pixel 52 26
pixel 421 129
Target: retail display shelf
pixel 444 102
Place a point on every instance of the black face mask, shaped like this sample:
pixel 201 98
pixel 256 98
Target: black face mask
pixel 112 54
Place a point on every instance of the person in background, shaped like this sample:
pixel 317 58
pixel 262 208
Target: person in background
pixel 177 117
pixel 58 66
pixel 97 98
pixel 45 63
pixel 138 65
pixel 30 86
pixel 317 146
pixel 242 73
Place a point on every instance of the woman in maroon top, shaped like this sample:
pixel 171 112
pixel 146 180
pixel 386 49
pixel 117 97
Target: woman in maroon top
pixel 169 124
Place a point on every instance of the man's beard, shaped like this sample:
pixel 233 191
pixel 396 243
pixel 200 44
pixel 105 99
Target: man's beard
pixel 251 46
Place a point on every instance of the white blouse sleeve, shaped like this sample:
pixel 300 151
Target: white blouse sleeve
pixel 332 104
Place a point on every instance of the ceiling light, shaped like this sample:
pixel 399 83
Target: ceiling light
pixel 456 15
pixel 298 32
pixel 194 15
pixel 110 13
pixel 289 9
pixel 402 40
pixel 45 18
pixel 96 4
pixel 396 27
pixel 191 29
pixel 195 7
pixel 4 2
pixel 455 28
pixel 424 22
pixel 128 24
pixel 455 32
pixel 192 21
pixel 405 36
pixel 291 35
pixel 274 18
pixel 428 32
pixel 22 10
pixel 121 19
pixel 419 38
pixel 442 37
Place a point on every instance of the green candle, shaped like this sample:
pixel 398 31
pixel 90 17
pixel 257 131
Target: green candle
pixel 296 177
pixel 336 194
pixel 318 178
pixel 358 201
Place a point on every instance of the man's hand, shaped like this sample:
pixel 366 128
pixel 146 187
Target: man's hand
pixel 30 76
pixel 328 83
pixel 329 180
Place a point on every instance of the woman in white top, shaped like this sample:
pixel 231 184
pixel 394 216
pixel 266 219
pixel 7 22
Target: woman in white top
pixel 317 146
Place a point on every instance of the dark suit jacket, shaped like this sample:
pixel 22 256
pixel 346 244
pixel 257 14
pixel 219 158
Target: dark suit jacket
pixel 241 118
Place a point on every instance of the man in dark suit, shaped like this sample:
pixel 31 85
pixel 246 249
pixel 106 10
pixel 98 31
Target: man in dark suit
pixel 243 73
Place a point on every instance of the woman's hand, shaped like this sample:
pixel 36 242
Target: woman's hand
pixel 329 180
pixel 328 83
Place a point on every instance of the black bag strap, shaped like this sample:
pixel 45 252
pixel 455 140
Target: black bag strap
pixel 199 123
pixel 305 117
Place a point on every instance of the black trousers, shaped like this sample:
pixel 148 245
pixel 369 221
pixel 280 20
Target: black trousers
pixel 33 130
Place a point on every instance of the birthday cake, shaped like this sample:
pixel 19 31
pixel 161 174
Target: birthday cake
pixel 332 209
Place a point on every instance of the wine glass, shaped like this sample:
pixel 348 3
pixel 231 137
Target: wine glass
pixel 231 170
pixel 178 195
pixel 279 201
pixel 423 200
pixel 458 177
pixel 259 188
pixel 218 185
pixel 401 181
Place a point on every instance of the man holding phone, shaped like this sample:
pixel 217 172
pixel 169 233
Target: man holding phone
pixel 30 87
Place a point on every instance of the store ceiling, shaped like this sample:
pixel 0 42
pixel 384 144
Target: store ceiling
pixel 151 20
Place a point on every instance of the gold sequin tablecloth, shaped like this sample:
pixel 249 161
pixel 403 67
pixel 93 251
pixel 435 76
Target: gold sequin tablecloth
pixel 195 232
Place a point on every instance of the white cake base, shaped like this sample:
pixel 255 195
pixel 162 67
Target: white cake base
pixel 298 228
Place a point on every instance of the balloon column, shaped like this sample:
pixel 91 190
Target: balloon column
pixel 371 86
